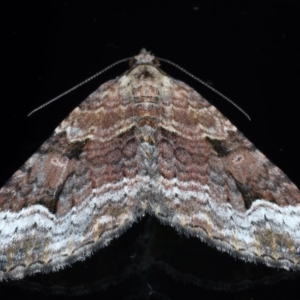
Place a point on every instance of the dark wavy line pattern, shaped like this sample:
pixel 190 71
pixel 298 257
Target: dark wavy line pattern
pixel 146 143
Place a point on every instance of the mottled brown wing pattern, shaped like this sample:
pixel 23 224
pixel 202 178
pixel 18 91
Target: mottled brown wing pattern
pixel 76 193
pixel 146 143
pixel 217 186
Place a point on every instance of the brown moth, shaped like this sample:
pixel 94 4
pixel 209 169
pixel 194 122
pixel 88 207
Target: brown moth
pixel 146 143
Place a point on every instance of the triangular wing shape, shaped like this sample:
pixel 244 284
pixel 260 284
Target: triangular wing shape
pixel 217 186
pixel 76 193
pixel 146 142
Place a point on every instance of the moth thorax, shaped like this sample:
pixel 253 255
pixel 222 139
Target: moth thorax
pixel 146 134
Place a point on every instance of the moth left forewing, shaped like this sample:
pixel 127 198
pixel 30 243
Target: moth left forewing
pixel 216 185
pixel 75 194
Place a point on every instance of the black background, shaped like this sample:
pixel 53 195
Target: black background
pixel 247 50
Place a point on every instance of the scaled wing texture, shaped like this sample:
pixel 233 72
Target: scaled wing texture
pixel 146 143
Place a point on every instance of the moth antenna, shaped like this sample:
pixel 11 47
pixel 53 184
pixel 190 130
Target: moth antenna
pixel 78 85
pixel 205 84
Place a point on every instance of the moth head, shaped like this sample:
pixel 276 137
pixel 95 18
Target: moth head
pixel 144 57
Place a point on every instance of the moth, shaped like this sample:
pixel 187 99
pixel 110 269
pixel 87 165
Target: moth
pixel 146 143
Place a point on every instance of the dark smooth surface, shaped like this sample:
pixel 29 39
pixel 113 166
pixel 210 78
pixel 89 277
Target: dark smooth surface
pixel 247 50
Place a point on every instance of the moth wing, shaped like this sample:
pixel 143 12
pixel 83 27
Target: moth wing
pixel 75 194
pixel 214 184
